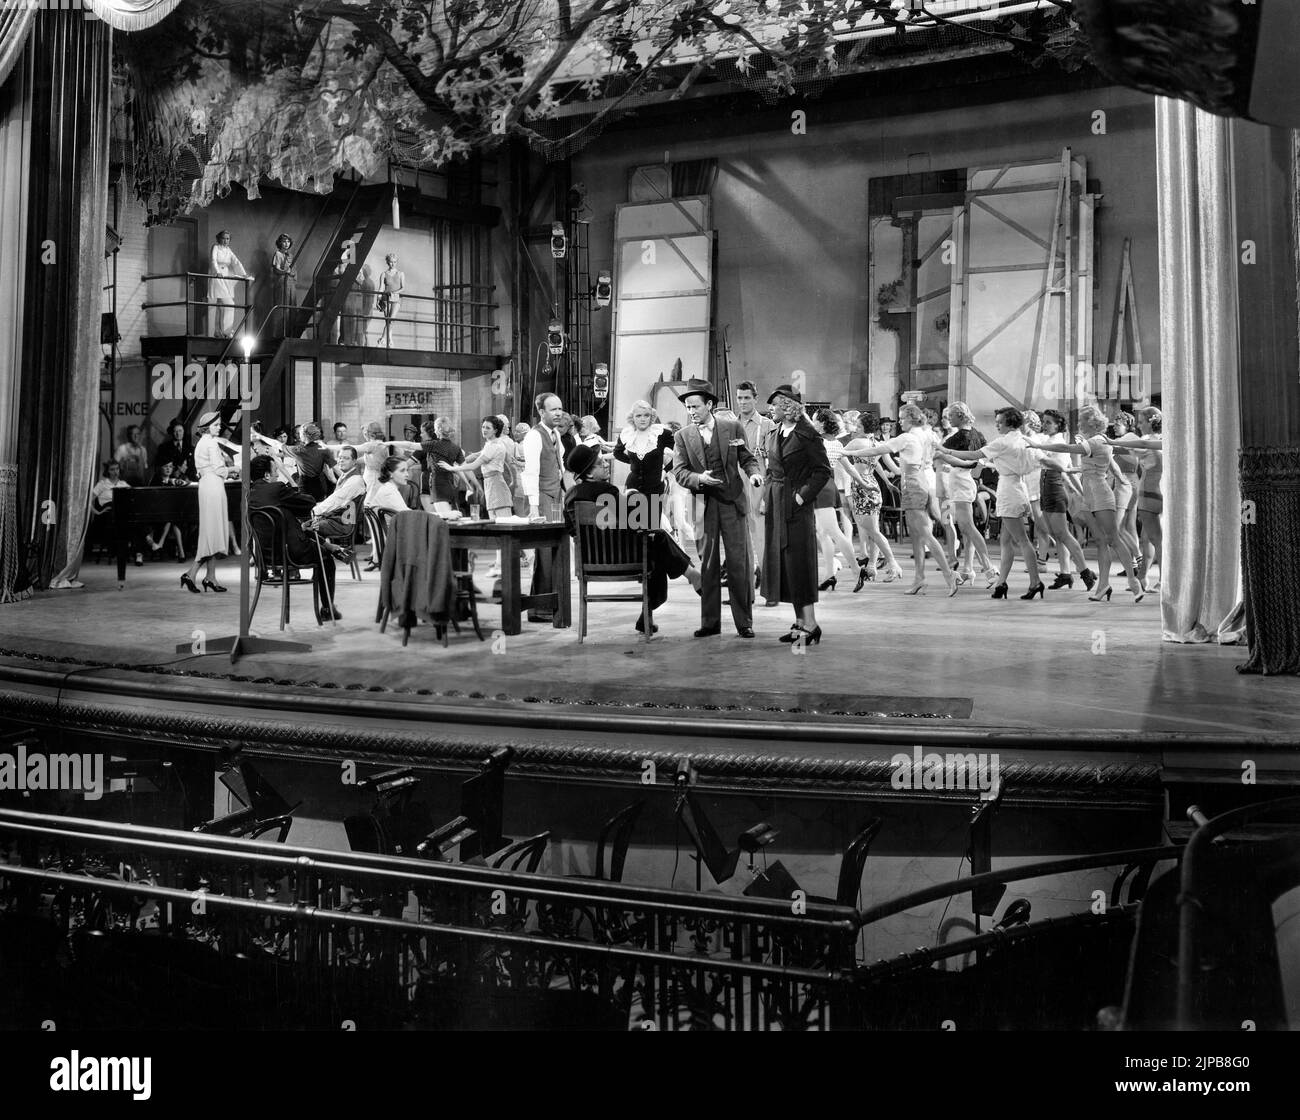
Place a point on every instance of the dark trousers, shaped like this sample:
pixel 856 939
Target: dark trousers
pixel 726 527
pixel 543 582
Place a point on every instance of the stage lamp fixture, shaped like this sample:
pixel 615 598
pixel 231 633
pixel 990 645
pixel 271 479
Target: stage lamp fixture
pixel 600 381
pixel 603 292
pixel 555 338
pixel 559 241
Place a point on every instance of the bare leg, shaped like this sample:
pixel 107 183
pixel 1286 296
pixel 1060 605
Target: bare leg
pixel 1018 538
pixel 1066 545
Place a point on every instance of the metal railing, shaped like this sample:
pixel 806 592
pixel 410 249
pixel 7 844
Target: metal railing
pixel 427 944
pixel 457 319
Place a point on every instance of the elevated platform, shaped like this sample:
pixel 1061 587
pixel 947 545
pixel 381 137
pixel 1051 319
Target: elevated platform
pixel 1081 697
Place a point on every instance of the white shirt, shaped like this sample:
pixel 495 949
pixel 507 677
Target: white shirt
pixel 386 495
pixel 706 433
pixel 912 447
pixel 103 491
pixel 1059 460
pixel 345 493
pixel 533 444
pixel 1010 454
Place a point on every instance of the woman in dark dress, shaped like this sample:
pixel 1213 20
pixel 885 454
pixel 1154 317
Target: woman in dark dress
pixel 797 470
pixel 642 445
pixel 439 447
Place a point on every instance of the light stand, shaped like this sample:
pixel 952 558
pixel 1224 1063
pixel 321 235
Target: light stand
pixel 245 643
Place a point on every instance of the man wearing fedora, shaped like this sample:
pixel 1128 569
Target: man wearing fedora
pixel 711 459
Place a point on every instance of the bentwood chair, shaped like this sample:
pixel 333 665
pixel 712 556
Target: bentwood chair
pixel 610 555
pixel 272 567
pixel 852 864
pixel 377 523
pixel 350 542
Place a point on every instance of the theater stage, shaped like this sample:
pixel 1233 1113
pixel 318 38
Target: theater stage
pixel 1060 674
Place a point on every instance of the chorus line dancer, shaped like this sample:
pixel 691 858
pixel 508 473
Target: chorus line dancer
pixel 1055 502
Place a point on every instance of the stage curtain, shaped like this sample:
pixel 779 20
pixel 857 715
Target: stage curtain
pixel 131 15
pixel 15 23
pixel 58 434
pixel 1199 375
pixel 15 154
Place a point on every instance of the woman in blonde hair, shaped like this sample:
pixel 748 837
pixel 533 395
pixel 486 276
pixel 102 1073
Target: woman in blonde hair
pixel 646 446
pixel 1099 477
pixel 915 453
pixel 865 502
pixel 1150 500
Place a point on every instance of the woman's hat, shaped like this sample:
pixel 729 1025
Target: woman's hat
pixel 581 459
pixel 785 391
pixel 698 388
pixel 207 418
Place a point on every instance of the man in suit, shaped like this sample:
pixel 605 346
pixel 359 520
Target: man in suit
pixel 264 492
pixel 711 459
pixel 543 484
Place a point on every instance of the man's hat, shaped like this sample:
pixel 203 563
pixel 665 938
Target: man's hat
pixel 785 391
pixel 581 459
pixel 697 388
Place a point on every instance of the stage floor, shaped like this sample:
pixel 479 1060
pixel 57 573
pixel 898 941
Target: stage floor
pixel 1062 664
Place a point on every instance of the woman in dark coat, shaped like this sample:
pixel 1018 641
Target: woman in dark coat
pixel 797 469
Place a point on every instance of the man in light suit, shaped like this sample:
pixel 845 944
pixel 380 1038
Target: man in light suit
pixel 712 460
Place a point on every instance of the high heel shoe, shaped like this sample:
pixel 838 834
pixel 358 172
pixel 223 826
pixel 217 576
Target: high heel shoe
pixel 1000 592
pixel 827 584
pixel 1037 589
pixel 813 636
pixel 916 589
pixel 1101 595
pixel 953 585
pixel 212 585
pixel 893 575
pixel 1139 592
pixel 186 581
pixel 793 634
pixel 1089 578
pixel 1062 580
pixel 865 574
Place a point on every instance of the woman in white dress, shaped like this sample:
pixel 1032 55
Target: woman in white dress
pixel 214 516
pixel 222 291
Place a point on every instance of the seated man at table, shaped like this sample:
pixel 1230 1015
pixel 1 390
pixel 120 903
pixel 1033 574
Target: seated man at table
pixel 264 492
pixel 332 517
pixel 591 484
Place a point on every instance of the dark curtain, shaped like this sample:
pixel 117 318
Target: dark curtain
pixel 69 57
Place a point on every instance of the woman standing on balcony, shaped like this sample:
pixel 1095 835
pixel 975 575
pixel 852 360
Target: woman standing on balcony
pixel 214 516
pixel 282 271
pixel 224 264
pixel 391 282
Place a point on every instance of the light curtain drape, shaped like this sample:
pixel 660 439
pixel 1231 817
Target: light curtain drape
pixel 131 15
pixel 15 23
pixel 1201 564
pixel 15 154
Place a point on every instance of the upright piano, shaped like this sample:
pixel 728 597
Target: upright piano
pixel 147 507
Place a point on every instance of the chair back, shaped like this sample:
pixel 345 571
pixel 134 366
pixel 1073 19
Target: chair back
pixel 267 532
pixel 523 855
pixel 854 863
pixel 608 551
pixel 615 837
pixel 378 525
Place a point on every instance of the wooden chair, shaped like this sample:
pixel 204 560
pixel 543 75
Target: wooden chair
pixel 523 855
pixel 377 523
pixel 274 569
pixel 350 543
pixel 610 555
pixel 891 508
pixel 852 864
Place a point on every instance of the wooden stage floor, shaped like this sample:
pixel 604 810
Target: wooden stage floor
pixel 1050 668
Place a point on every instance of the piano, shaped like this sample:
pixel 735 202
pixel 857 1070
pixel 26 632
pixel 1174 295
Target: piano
pixel 150 506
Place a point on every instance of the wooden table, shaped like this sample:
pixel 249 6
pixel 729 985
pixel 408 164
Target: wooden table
pixel 151 506
pixel 511 541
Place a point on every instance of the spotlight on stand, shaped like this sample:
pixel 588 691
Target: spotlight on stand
pixel 600 381
pixel 555 338
pixel 604 290
pixel 559 241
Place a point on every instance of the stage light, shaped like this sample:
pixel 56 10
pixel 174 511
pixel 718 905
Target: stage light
pixel 247 342
pixel 555 338
pixel 559 240
pixel 600 381
pixel 604 290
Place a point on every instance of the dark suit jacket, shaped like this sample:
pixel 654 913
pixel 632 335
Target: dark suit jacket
pixel 804 461
pixel 295 506
pixel 737 460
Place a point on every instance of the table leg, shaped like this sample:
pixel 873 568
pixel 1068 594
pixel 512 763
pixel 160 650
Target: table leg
pixel 123 539
pixel 510 608
pixel 560 565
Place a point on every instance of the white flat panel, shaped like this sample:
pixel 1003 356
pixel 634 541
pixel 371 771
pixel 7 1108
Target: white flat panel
pixel 677 264
pixel 641 361
pixel 659 219
pixel 656 314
